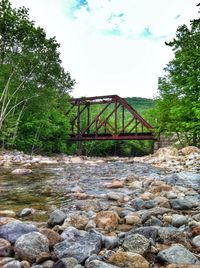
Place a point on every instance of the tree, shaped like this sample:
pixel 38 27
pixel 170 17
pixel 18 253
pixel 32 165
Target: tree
pixel 178 105
pixel 34 87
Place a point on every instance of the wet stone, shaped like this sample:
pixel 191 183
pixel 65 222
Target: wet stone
pixel 107 220
pixel 13 230
pixel 25 212
pixel 51 235
pixel 136 243
pixel 181 204
pixel 196 241
pixel 177 254
pixel 110 242
pixel 178 220
pixel 57 217
pixel 148 232
pixel 153 222
pixel 79 245
pixel 5 248
pixel 29 246
pixel 128 260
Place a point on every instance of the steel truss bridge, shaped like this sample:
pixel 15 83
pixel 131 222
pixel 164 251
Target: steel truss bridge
pixel 107 118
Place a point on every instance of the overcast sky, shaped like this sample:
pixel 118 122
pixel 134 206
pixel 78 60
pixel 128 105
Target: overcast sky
pixel 113 46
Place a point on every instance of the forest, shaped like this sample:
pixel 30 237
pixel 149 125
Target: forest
pixel 35 92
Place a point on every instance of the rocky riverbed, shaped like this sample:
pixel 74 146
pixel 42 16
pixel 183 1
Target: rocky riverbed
pixel 102 213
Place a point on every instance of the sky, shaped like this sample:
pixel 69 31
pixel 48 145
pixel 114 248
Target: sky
pixel 112 46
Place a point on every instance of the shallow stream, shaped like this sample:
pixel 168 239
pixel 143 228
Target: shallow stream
pixel 49 187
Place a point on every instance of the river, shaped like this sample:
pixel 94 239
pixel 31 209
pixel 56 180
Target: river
pixel 49 186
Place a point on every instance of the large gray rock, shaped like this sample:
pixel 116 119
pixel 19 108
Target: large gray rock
pixel 110 242
pixel 99 264
pixel 177 254
pixel 182 204
pixel 29 246
pixel 136 243
pixel 184 179
pixel 79 245
pixel 150 232
pixel 13 230
pixel 178 220
pixel 57 217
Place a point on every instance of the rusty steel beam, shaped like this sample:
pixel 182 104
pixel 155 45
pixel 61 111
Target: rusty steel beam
pixel 97 127
pixel 131 136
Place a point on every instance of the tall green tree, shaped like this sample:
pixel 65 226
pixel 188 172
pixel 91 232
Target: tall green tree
pixel 34 87
pixel 178 103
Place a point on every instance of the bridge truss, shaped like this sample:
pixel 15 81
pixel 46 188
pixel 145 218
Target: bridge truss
pixel 107 118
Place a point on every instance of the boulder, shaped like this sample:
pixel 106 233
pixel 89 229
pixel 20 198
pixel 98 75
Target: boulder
pixel 128 260
pixel 115 196
pixel 5 248
pixel 196 241
pixel 136 243
pixel 30 245
pixel 88 205
pixel 180 203
pixel 177 254
pixel 77 220
pixel 13 230
pixel 148 232
pixel 107 220
pixel 79 245
pixel 133 219
pixel 185 179
pixel 57 217
pixel 178 220
pixel 110 242
pixel 51 235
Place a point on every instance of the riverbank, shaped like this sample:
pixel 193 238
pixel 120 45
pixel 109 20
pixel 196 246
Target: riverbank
pixel 130 212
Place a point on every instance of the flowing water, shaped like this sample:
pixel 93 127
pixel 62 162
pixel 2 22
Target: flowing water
pixel 49 187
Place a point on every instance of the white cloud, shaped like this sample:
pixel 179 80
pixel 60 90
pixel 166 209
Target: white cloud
pixel 127 64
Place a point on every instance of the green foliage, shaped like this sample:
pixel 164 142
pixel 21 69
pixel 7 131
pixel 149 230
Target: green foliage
pixel 33 85
pixel 177 106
